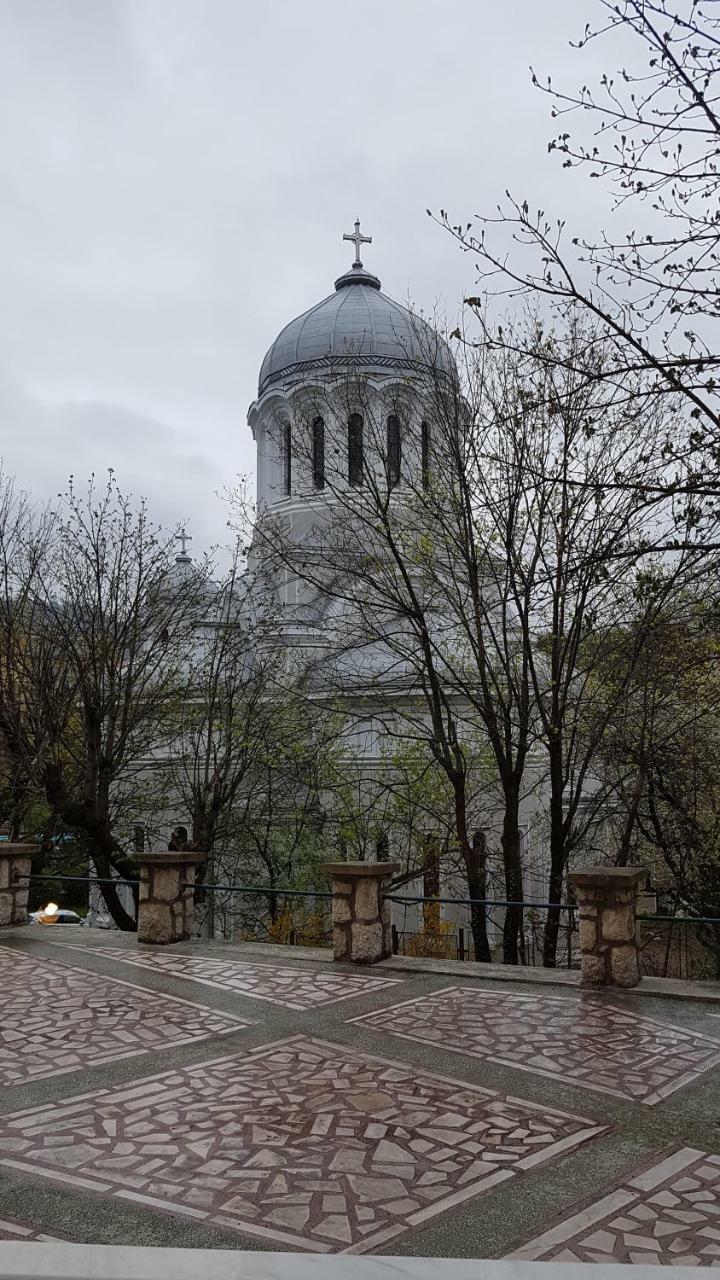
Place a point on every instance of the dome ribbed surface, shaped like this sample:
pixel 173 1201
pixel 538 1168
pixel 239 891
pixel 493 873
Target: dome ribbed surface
pixel 359 324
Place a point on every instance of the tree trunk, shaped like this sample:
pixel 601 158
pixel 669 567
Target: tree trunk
pixel 557 855
pixel 122 918
pixel 98 842
pixel 624 848
pixel 477 887
pixel 513 878
pixel 474 859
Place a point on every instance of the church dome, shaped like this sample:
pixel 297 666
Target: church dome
pixel 357 325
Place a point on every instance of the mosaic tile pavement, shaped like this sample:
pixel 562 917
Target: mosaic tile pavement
pixel 300 1142
pixel 55 1018
pixel 10 1229
pixel 669 1212
pixel 586 1041
pixel 280 984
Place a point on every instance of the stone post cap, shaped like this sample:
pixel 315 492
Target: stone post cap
pixel 8 850
pixel 343 869
pixel 606 877
pixel 171 858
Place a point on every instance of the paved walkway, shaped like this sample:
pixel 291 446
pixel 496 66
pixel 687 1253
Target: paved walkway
pixel 239 1097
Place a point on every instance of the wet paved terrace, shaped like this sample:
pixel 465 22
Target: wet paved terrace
pixel 218 1096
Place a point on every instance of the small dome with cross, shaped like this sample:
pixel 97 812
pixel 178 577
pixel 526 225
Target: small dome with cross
pixel 356 326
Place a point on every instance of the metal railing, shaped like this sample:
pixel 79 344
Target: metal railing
pixel 679 946
pixel 442 939
pixel 218 917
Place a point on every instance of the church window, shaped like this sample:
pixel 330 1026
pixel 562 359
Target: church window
pixel 355 449
pixel 318 453
pixel 393 450
pixel 425 453
pixel 139 839
pixel 287 458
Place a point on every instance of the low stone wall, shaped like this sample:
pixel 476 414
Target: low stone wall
pixel 167 885
pixel 15 863
pixel 609 942
pixel 28 1260
pixel 362 932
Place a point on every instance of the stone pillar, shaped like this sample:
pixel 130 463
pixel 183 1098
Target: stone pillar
pixel 14 885
pixel 607 898
pixel 361 919
pixel 167 884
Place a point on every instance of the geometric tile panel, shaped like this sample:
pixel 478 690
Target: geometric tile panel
pixel 299 1143
pixel 293 988
pixel 667 1213
pixel 54 1019
pixel 586 1041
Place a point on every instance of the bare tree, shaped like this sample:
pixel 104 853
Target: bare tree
pixel 26 535
pixel 402 562
pixel 225 708
pixel 650 285
pixel 551 458
pixel 478 559
pixel 111 629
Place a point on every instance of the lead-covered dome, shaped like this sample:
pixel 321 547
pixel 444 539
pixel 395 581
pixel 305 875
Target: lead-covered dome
pixel 355 325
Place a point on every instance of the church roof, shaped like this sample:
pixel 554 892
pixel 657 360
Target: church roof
pixel 357 325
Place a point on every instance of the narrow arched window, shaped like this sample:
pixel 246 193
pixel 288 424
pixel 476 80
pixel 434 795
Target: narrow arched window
pixel 318 453
pixel 355 449
pixel 287 458
pixel 393 450
pixel 425 453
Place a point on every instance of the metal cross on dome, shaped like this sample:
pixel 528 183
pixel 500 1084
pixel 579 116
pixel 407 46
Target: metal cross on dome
pixel 183 538
pixel 357 240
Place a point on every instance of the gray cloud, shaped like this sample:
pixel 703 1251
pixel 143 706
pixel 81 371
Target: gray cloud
pixel 175 179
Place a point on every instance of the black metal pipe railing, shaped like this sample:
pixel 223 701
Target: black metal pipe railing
pixel 669 946
pixel 389 897
pixel 482 902
pixel 230 888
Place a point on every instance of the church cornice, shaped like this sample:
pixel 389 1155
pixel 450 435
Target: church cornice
pixel 348 363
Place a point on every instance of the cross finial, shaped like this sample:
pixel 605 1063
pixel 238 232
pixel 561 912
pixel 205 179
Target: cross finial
pixel 357 240
pixel 183 538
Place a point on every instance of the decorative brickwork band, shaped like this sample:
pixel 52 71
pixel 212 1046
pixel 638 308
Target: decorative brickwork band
pixel 167 883
pixel 608 929
pixel 14 884
pixel 361 918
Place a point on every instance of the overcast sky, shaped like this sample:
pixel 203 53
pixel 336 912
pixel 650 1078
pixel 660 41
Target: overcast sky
pixel 175 179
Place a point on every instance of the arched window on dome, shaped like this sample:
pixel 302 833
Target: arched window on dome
pixel 393 450
pixel 425 453
pixel 286 458
pixel 318 453
pixel 355 449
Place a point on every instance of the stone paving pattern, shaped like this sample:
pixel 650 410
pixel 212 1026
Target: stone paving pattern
pixel 280 984
pixel 307 1134
pixel 580 1038
pixel 56 1018
pixel 666 1213
pixel 300 1143
pixel 11 1230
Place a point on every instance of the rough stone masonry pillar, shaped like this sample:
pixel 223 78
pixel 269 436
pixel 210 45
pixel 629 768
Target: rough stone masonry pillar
pixel 361 918
pixel 14 885
pixel 167 884
pixel 607 899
